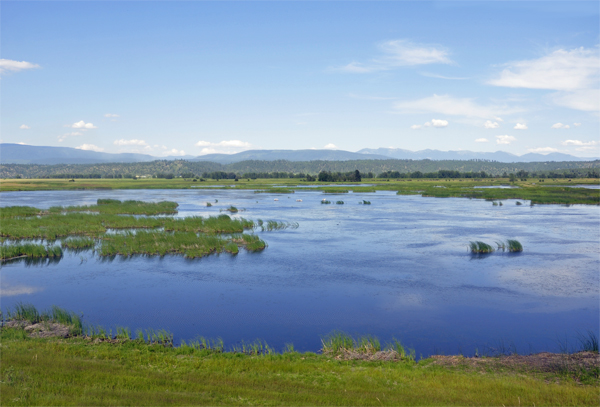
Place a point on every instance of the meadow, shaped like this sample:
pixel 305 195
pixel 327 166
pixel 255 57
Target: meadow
pixel 546 191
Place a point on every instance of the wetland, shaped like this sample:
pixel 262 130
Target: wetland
pixel 400 267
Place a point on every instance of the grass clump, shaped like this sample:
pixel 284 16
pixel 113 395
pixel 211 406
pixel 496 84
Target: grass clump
pixel 479 247
pixel 275 225
pixel 232 209
pixel 339 202
pixel 513 246
pixel 325 202
pixel 78 243
pixel 28 313
pixel 365 202
pixel 250 242
pixel 274 191
pixel 29 250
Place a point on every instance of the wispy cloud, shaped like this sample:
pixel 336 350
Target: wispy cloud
pixel 111 115
pixel 24 127
pixel 434 75
pixel 398 53
pixel 89 147
pixel 67 135
pixel 520 126
pixel 448 105
pixel 8 65
pixel 580 143
pixel 505 139
pixel 482 140
pixel 573 73
pixel 560 126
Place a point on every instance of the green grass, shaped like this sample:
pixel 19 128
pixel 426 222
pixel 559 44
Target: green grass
pixel 28 312
pixel 29 250
pixel 339 202
pixel 78 371
pixel 479 247
pixel 325 202
pixel 531 190
pixel 78 243
pixel 365 202
pixel 513 246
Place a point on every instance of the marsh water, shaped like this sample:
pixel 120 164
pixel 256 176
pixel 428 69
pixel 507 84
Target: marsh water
pixel 396 268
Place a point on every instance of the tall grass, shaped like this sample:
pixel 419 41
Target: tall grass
pixel 513 246
pixel 28 312
pixel 29 250
pixel 588 341
pixel 78 243
pixel 479 247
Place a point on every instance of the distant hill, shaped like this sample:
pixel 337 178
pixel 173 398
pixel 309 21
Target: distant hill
pixel 43 155
pixel 25 154
pixel 289 155
pixel 500 156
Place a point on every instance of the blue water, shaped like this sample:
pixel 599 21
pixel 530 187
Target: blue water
pixel 396 268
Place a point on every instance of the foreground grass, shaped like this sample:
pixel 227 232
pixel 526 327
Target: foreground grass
pixel 75 371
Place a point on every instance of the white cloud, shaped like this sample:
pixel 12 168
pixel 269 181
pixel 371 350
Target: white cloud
pixel 428 124
pixel 490 124
pixel 82 125
pixel 439 123
pixel 174 151
pixel 447 105
pixel 397 53
pixel 224 147
pixel 330 146
pixel 543 150
pixel 573 73
pixel 505 139
pixel 520 126
pixel 133 142
pixel 579 143
pixel 416 126
pixel 66 135
pixel 111 115
pixel 576 124
pixel 587 100
pixel 482 140
pixel 559 70
pixel 24 127
pixel 560 126
pixel 8 65
pixel 89 147
pixel 23 144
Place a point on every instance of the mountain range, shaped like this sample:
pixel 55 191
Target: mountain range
pixel 26 154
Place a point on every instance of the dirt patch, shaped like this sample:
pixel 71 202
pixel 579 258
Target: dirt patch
pixel 540 362
pixel 41 329
pixel 385 355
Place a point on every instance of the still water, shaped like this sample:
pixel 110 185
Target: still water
pixel 396 268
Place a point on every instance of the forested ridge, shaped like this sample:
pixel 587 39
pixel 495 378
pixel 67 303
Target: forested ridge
pixel 177 168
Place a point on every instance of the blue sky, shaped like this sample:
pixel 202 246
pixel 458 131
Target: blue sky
pixel 170 78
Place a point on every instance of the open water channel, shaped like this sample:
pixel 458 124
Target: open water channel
pixel 396 268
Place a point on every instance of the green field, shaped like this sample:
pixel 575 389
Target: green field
pixel 547 192
pixel 85 371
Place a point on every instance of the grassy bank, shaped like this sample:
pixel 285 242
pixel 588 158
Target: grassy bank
pixel 52 358
pixel 77 371
pixel 557 191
